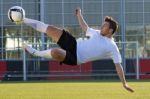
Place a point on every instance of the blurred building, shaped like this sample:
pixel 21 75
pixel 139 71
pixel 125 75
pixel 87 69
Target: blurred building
pixel 61 14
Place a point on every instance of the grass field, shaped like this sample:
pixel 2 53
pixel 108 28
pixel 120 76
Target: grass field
pixel 94 89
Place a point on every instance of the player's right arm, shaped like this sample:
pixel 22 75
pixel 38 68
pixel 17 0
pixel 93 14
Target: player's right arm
pixel 121 75
pixel 81 20
pixel 117 61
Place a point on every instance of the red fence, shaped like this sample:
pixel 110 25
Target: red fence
pixel 60 71
pixel 3 69
pixel 144 68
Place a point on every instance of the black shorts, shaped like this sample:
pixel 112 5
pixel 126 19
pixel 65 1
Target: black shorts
pixel 69 44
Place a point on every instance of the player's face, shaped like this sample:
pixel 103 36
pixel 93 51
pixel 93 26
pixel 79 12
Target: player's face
pixel 105 30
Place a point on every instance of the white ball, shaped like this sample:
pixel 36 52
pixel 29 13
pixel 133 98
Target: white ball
pixel 16 14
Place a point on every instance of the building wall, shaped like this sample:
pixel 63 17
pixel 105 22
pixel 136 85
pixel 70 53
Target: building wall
pixel 61 13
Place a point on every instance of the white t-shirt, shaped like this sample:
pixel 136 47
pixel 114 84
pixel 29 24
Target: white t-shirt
pixel 96 47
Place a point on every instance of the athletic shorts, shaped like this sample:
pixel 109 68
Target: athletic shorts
pixel 69 44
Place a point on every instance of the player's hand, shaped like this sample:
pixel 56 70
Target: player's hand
pixel 78 11
pixel 128 88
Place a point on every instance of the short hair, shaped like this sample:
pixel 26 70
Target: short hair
pixel 112 23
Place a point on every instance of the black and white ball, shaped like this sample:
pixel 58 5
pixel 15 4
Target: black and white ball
pixel 16 14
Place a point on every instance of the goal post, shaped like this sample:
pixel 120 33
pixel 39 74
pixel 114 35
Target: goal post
pixel 131 58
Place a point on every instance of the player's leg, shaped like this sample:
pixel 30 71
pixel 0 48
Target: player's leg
pixel 52 31
pixel 66 41
pixel 56 53
pixel 67 54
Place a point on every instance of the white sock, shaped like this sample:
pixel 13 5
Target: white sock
pixel 37 25
pixel 43 54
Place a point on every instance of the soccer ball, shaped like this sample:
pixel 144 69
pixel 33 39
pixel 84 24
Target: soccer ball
pixel 16 14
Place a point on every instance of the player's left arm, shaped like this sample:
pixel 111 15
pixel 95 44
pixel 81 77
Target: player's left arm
pixel 121 75
pixel 81 20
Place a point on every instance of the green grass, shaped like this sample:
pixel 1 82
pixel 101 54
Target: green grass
pixel 73 90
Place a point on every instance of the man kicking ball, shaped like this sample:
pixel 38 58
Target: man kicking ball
pixel 99 45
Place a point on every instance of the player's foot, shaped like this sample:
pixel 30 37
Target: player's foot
pixel 18 22
pixel 29 49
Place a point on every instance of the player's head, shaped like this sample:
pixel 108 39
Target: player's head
pixel 109 26
pixel 113 25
